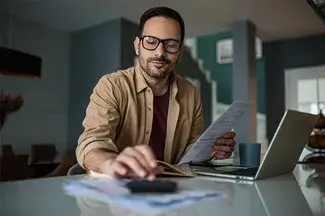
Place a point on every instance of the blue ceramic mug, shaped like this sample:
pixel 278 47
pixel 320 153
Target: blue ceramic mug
pixel 250 154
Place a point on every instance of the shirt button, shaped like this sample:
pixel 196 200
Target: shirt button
pixel 147 132
pixel 149 108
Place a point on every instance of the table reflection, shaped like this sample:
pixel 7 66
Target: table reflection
pixel 277 196
pixel 313 186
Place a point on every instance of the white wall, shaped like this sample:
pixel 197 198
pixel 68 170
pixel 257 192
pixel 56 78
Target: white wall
pixel 191 44
pixel 44 115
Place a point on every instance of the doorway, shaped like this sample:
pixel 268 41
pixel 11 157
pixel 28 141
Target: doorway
pixel 305 91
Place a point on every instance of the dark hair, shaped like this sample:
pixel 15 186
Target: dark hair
pixel 162 12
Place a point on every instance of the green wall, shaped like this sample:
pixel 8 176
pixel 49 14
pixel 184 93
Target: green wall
pixel 222 73
pixel 187 67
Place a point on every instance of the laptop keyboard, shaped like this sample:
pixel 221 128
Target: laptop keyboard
pixel 244 172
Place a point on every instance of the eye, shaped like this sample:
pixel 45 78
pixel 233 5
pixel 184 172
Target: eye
pixel 150 40
pixel 172 44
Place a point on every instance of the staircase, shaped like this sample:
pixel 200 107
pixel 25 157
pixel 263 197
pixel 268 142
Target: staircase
pixel 216 108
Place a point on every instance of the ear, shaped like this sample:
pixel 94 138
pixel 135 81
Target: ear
pixel 136 44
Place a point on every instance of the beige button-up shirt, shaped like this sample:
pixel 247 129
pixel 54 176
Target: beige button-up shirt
pixel 120 114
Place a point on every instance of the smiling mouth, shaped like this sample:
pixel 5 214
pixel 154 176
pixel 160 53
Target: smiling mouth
pixel 158 63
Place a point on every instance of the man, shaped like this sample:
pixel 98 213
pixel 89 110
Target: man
pixel 147 112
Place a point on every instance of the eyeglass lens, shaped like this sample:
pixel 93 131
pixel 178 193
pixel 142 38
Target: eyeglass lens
pixel 170 45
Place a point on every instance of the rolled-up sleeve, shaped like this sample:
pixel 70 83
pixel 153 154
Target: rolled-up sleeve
pixel 100 122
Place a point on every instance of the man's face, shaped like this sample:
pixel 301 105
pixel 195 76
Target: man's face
pixel 157 59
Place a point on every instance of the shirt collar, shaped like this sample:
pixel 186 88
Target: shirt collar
pixel 140 82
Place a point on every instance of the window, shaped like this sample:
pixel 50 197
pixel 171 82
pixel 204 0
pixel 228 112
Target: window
pixel 311 95
pixel 224 50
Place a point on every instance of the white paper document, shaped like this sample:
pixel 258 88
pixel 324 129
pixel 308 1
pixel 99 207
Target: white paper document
pixel 203 147
pixel 113 192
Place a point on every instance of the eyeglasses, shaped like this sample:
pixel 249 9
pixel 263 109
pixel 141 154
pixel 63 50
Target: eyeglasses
pixel 151 43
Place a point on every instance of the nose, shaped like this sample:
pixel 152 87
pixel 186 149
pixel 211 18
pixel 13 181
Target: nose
pixel 160 50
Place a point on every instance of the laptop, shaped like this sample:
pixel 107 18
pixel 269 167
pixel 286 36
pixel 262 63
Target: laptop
pixel 282 155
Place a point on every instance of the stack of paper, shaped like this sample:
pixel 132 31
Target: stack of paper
pixel 113 192
pixel 202 148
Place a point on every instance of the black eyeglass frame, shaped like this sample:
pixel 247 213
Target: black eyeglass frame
pixel 163 41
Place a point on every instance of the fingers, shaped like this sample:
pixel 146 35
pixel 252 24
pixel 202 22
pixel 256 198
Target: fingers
pixel 155 171
pixel 144 158
pixel 132 164
pixel 135 162
pixel 113 168
pixel 117 169
pixel 148 155
pixel 225 142
pixel 139 156
pixel 221 154
pixel 229 135
pixel 224 148
pixel 149 159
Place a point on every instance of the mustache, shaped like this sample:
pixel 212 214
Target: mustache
pixel 159 59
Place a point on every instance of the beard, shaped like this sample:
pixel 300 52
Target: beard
pixel 156 67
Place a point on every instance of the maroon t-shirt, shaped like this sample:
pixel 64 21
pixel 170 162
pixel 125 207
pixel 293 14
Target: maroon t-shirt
pixel 159 124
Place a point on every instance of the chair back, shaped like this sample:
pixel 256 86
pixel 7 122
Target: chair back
pixel 76 170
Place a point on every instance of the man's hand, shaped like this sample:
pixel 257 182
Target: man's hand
pixel 133 162
pixel 224 146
